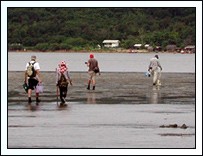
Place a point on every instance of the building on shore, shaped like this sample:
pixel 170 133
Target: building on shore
pixel 190 49
pixel 111 43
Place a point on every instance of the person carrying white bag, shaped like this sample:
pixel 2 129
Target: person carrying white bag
pixel 39 88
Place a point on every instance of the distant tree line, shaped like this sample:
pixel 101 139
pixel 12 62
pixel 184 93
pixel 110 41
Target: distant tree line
pixel 84 28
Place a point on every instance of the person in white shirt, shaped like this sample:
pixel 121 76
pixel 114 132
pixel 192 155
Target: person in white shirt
pixel 34 79
pixel 155 69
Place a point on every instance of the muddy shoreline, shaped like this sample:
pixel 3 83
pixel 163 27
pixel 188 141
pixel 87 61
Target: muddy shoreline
pixel 112 88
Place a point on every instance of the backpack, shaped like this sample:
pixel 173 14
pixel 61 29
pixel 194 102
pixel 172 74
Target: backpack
pixel 30 70
pixel 96 69
pixel 63 81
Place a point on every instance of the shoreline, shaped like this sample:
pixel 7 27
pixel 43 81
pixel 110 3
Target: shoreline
pixel 106 72
pixel 98 51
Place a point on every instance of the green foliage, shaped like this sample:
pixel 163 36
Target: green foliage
pixel 75 42
pixel 42 46
pixel 128 43
pixel 84 28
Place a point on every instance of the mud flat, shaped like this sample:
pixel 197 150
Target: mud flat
pixel 112 88
pixel 125 111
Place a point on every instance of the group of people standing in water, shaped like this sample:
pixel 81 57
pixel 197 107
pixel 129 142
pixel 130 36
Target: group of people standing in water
pixel 63 78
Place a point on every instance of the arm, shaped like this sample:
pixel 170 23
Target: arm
pixel 88 63
pixel 37 68
pixel 38 75
pixel 98 68
pixel 25 80
pixel 159 65
pixel 150 66
pixel 69 79
pixel 57 77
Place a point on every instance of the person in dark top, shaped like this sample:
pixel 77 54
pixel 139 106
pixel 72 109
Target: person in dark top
pixel 62 81
pixel 92 71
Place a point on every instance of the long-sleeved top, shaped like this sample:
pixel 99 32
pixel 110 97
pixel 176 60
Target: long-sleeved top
pixel 154 64
pixel 66 74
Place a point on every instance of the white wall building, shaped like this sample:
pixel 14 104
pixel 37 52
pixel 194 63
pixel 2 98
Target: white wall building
pixel 111 43
pixel 137 46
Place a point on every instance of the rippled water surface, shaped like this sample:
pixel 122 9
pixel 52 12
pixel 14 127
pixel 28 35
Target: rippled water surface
pixel 100 126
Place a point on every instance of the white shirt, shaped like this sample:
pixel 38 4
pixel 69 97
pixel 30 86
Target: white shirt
pixel 36 65
pixel 154 64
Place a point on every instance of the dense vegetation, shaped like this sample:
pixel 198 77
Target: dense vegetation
pixel 85 28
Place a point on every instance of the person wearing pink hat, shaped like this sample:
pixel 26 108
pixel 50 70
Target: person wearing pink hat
pixel 92 71
pixel 62 81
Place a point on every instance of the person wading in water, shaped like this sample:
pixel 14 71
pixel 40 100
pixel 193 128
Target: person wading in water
pixel 155 69
pixel 92 71
pixel 32 77
pixel 62 81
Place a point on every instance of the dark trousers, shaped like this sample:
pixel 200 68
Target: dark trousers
pixel 63 93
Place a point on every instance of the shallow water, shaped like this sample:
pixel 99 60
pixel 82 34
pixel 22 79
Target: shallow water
pixel 125 111
pixel 100 126
pixel 108 62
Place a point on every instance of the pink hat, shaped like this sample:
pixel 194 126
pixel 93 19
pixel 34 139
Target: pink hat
pixel 62 66
pixel 91 55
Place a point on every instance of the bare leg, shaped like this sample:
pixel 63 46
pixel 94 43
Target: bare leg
pixel 93 82
pixel 37 97
pixel 88 86
pixel 29 95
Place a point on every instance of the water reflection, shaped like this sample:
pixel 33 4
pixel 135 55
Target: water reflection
pixel 32 107
pixel 91 99
pixel 62 106
pixel 155 95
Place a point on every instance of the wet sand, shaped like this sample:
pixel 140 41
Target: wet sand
pixel 125 111
pixel 112 88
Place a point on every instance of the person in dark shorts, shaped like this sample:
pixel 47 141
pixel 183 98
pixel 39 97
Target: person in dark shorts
pixel 33 79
